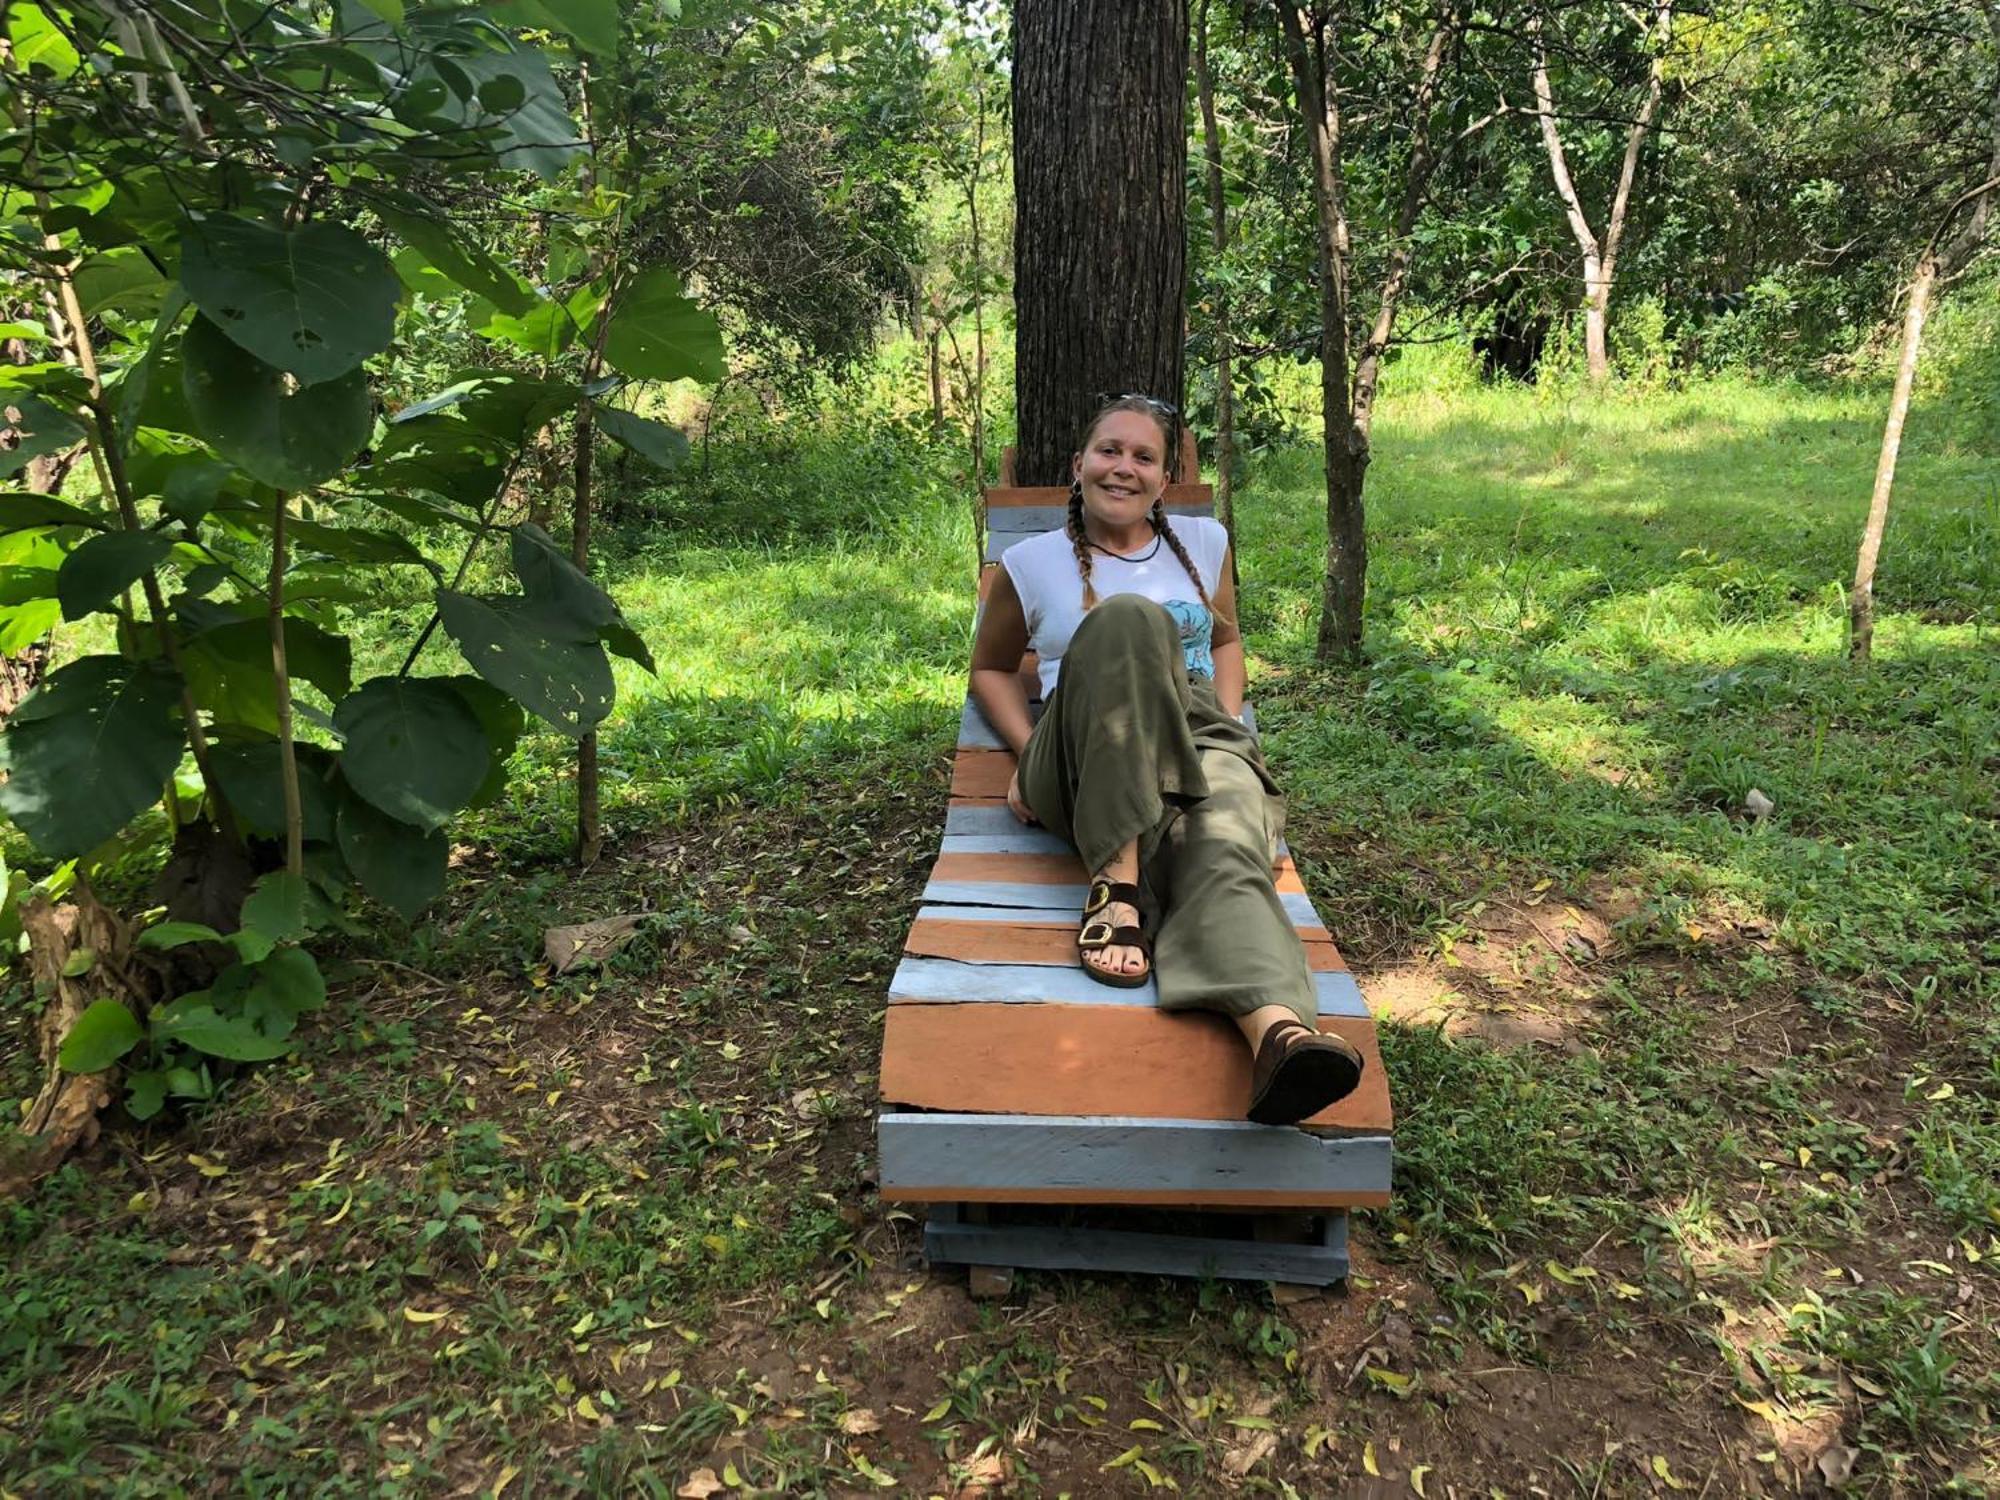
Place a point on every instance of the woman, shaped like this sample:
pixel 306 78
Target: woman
pixel 1141 759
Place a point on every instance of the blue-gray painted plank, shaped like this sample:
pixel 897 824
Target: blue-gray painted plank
pixel 950 1241
pixel 1010 896
pixel 941 981
pixel 969 1153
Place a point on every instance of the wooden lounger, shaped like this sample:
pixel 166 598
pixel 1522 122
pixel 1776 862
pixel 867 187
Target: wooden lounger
pixel 1010 1078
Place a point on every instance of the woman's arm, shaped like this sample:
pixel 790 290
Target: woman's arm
pixel 996 663
pixel 1226 646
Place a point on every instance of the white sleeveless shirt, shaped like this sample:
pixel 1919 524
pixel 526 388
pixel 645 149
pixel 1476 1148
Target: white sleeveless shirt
pixel 1043 569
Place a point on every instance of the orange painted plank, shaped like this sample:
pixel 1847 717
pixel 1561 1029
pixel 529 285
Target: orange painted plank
pixel 1098 1060
pixel 1042 943
pixel 982 773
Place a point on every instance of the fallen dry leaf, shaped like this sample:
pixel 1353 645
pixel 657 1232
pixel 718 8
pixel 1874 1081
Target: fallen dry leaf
pixel 701 1484
pixel 588 942
pixel 984 1476
pixel 1836 1464
pixel 859 1422
pixel 1241 1459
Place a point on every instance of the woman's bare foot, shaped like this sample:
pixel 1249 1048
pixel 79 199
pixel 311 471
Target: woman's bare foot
pixel 1121 962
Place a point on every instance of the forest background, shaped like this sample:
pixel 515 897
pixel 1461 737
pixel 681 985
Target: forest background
pixel 487 470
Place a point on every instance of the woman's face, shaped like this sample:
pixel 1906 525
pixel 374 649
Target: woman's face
pixel 1123 468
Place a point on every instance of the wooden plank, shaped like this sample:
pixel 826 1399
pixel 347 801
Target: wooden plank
pixel 923 980
pixel 960 1157
pixel 1051 869
pixel 976 942
pixel 982 773
pixel 1305 921
pixel 1098 1059
pixel 950 1240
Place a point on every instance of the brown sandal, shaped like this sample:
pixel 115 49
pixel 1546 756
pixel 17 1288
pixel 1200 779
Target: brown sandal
pixel 1097 936
pixel 1299 1072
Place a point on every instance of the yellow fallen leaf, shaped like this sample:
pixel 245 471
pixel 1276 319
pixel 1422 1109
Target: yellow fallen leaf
pixel 1626 1290
pixel 504 1478
pixel 1145 1424
pixel 1660 1468
pixel 1317 1437
pixel 1128 1456
pixel 587 1409
pixel 1763 1409
pixel 1531 1291
pixel 1389 1380
pixel 1942 1091
pixel 733 1479
pixel 339 1214
pixel 415 1316
pixel 937 1412
pixel 209 1168
pixel 1368 1460
pixel 1417 1477
pixel 1805 1156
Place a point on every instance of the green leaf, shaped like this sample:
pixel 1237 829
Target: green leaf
pixel 655 333
pixel 593 23
pixel 544 330
pixel 550 578
pixel 291 439
pixel 231 674
pixel 193 1022
pixel 540 656
pixel 21 625
pixel 89 749
pixel 389 10
pixel 313 301
pixel 276 906
pixel 502 719
pixel 538 133
pixel 177 935
pixel 400 866
pixel 656 442
pixel 23 511
pixel 136 384
pixel 37 429
pixel 98 1038
pixel 102 567
pixel 124 279
pixel 467 265
pixel 36 41
pixel 413 748
pixel 145 1093
pixel 251 780
pixel 287 985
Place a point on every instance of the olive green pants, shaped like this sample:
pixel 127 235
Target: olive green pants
pixel 1133 746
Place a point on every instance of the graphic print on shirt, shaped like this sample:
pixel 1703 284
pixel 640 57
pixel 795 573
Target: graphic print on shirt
pixel 1197 629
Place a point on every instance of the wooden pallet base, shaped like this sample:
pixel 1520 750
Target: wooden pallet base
pixel 1028 1237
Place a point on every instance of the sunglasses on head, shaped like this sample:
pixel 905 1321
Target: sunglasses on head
pixel 1165 408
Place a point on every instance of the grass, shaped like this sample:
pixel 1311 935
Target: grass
pixel 502 1229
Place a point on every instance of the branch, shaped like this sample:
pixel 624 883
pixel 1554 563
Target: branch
pixel 1545 108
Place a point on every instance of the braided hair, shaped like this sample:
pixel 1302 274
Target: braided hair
pixel 1162 527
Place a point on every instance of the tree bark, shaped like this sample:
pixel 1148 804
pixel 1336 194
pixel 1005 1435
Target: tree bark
pixel 1600 257
pixel 281 680
pixel 1935 266
pixel 1225 350
pixel 1100 182
pixel 1861 602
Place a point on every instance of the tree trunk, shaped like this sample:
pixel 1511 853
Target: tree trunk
pixel 1100 183
pixel 1225 351
pixel 589 824
pixel 1345 448
pixel 1861 603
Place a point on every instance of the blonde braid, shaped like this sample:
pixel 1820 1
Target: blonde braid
pixel 1080 541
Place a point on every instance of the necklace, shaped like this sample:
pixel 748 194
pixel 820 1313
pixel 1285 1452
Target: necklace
pixel 1145 556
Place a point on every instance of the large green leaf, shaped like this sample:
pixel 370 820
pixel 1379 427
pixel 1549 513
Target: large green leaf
pixel 412 747
pixel 656 442
pixel 88 750
pixel 501 717
pixel 124 279
pixel 21 625
pixel 193 1022
pixel 231 674
pixel 288 984
pixel 23 511
pixel 276 906
pixel 35 428
pixel 400 866
pixel 534 126
pixel 102 567
pixel 98 1038
pixel 467 265
pixel 550 578
pixel 313 301
pixel 593 23
pixel 542 657
pixel 656 333
pixel 290 438
pixel 252 781
pixel 37 42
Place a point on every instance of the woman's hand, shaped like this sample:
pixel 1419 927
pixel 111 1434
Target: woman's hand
pixel 1016 803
